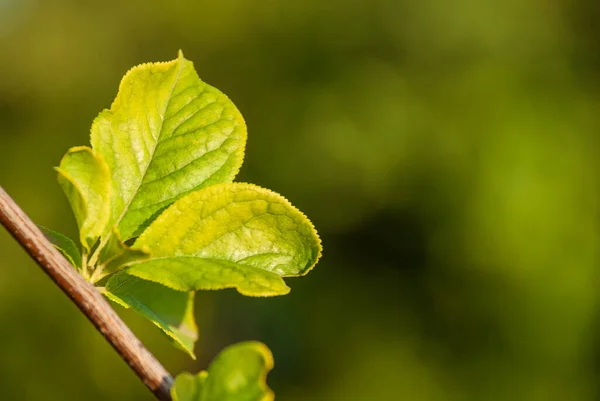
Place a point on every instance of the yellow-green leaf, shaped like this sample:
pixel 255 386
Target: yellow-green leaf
pixel 85 179
pixel 166 134
pixel 188 387
pixel 238 373
pixel 170 310
pixel 229 236
pixel 115 255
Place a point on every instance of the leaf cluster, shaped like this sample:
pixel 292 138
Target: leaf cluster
pixel 160 218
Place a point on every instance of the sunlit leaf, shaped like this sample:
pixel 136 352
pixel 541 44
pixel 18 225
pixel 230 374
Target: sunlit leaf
pixel 166 134
pixel 159 174
pixel 85 179
pixel 170 310
pixel 188 387
pixel 64 244
pixel 229 236
pixel 238 373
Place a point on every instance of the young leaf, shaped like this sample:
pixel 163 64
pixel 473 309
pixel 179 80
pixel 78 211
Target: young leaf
pixel 238 373
pixel 85 179
pixel 64 244
pixel 166 134
pixel 115 255
pixel 229 235
pixel 170 310
pixel 188 387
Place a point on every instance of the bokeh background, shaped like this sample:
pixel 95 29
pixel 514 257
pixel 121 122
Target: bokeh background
pixel 446 151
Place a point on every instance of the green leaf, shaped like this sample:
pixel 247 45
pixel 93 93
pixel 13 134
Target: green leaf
pixel 64 244
pixel 166 134
pixel 170 310
pixel 238 373
pixel 85 179
pixel 229 236
pixel 188 387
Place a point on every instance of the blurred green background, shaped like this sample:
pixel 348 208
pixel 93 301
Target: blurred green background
pixel 447 152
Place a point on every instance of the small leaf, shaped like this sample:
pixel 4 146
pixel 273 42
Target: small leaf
pixel 188 387
pixel 229 235
pixel 166 134
pixel 85 179
pixel 170 310
pixel 238 373
pixel 115 255
pixel 64 244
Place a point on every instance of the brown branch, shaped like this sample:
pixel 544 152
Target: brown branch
pixel 86 297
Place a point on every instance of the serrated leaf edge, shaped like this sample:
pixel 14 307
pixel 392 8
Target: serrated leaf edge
pixel 181 60
pixel 313 230
pixel 294 209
